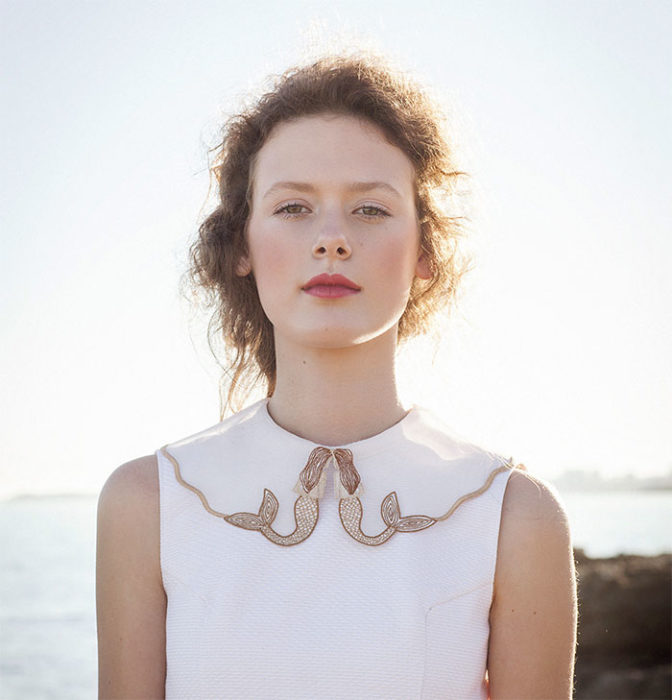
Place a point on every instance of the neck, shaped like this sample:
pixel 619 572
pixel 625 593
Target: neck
pixel 336 396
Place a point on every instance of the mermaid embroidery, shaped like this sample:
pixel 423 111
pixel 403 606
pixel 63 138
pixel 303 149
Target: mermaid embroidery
pixel 348 487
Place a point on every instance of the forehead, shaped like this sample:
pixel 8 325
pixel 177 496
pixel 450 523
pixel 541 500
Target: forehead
pixel 328 150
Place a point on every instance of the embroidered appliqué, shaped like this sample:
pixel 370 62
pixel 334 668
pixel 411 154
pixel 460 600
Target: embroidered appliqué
pixel 347 485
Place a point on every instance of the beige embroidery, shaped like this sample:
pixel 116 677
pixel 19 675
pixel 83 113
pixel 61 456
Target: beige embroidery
pixel 350 510
pixel 347 485
pixel 306 511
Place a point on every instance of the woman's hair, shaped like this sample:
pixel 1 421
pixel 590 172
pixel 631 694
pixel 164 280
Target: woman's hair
pixel 362 86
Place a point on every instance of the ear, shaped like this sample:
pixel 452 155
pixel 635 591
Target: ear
pixel 244 267
pixel 422 267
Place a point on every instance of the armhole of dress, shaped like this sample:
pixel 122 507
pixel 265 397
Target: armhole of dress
pixel 500 516
pixel 161 473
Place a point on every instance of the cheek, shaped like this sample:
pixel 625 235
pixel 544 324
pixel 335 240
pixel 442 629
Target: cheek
pixel 396 262
pixel 270 264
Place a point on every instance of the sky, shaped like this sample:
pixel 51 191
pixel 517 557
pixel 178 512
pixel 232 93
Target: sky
pixel 559 354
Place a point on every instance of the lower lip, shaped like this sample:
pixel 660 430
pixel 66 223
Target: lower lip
pixel 330 291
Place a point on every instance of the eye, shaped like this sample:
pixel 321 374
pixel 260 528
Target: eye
pixel 290 210
pixel 371 211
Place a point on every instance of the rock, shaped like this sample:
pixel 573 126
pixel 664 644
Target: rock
pixel 641 683
pixel 624 637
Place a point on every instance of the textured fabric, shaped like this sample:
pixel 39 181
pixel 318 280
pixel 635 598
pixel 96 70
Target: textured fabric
pixel 329 617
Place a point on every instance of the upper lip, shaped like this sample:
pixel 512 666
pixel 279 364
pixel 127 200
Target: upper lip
pixel 332 280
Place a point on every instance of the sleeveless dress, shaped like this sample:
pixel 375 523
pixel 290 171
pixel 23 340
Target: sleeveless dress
pixel 283 584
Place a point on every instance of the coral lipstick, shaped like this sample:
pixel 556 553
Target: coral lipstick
pixel 330 286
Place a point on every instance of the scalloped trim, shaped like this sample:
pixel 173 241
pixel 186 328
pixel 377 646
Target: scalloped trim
pixel 347 484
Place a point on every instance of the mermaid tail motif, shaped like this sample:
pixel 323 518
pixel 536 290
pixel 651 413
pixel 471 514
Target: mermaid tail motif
pixel 306 511
pixel 310 488
pixel 350 510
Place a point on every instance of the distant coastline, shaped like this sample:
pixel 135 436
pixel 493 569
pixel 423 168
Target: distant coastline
pixel 581 480
pixel 8 498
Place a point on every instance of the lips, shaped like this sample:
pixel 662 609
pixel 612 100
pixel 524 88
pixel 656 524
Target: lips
pixel 330 286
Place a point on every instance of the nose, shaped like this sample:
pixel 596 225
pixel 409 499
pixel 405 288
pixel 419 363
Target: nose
pixel 331 242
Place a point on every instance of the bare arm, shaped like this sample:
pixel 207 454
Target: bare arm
pixel 130 599
pixel 533 616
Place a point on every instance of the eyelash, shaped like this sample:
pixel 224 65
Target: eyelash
pixel 379 211
pixel 283 211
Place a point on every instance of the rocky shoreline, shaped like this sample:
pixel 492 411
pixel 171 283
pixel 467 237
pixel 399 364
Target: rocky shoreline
pixel 624 640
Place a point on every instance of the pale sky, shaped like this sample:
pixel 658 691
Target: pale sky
pixel 560 355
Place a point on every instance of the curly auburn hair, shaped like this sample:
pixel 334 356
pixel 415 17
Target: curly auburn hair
pixel 362 86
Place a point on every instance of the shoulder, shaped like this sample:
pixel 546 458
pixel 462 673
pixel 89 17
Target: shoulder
pixel 534 525
pixel 531 499
pixel 131 485
pixel 129 504
pixel 128 534
pixel 534 609
pixel 531 511
pixel 534 535
pixel 130 598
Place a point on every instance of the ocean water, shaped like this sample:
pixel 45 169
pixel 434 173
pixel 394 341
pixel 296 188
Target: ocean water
pixel 47 580
pixel 47 599
pixel 605 524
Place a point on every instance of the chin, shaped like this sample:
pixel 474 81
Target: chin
pixel 339 337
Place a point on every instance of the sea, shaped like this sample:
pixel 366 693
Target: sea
pixel 47 579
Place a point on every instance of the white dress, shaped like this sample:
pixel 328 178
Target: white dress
pixel 277 590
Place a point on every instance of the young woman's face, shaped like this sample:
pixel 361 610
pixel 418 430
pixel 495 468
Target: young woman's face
pixel 332 197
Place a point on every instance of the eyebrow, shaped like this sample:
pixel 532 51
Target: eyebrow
pixel 351 187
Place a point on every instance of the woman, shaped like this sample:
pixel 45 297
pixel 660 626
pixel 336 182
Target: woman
pixel 228 566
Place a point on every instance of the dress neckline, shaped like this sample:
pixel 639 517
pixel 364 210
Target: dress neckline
pixel 363 448
pixel 415 431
